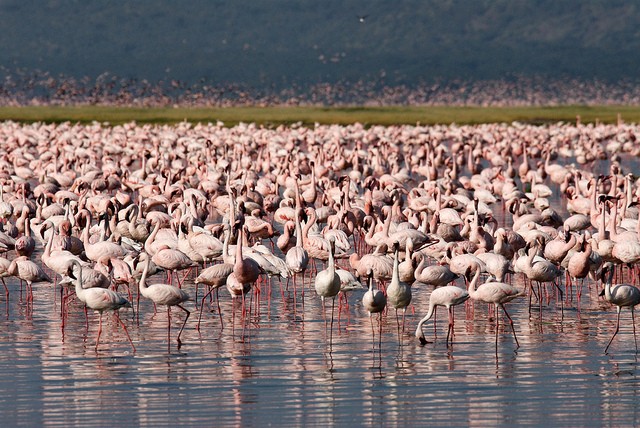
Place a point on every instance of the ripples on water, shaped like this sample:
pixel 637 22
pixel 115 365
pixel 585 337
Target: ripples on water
pixel 285 372
pixel 281 369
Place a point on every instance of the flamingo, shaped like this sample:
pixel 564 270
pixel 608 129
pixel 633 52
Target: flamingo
pixel 374 302
pixel 497 293
pixel 621 295
pixel 23 268
pixel 496 265
pixel 98 299
pixel 25 244
pixel 4 266
pixel 163 294
pixel 214 277
pixel 447 296
pixel 297 257
pixel 541 270
pixel 101 248
pixel 172 260
pixel 378 262
pixel 579 264
pixel 206 245
pixel 436 275
pixel 398 292
pixel 327 283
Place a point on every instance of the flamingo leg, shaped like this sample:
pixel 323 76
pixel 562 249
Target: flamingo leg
pixel 404 312
pixel 373 335
pixel 340 296
pixel 219 311
pixel 561 299
pixel 510 322
pixel 125 331
pixel 633 322
pixel 450 329
pixel 180 282
pixel 183 324
pixel 295 293
pixel 324 315
pixel 169 328
pixel 61 302
pixel 380 332
pixel 202 306
pixel 497 328
pixel 397 322
pixel 99 332
pixel 333 304
pixel 615 332
pixel 86 318
pixel 233 317
pixel 302 292
pixel 435 316
pixel 138 304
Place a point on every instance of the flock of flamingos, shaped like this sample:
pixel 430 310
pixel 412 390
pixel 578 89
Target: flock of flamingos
pixel 98 210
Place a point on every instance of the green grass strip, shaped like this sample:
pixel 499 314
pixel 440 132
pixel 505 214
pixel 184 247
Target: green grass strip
pixel 274 116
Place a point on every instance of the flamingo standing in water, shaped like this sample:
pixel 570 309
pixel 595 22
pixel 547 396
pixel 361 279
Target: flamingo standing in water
pixel 99 299
pixel 447 296
pixel 497 293
pixel 398 292
pixel 213 277
pixel 620 295
pixel 163 294
pixel 26 270
pixel 374 302
pixel 297 258
pixel 327 283
pixel 4 266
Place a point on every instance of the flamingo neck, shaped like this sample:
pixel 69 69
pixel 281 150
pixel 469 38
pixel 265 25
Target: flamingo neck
pixel 396 266
pixel 427 317
pixel 47 247
pixel 474 282
pixel 225 245
pixel 331 263
pixel 607 286
pixel 78 283
pixel 143 279
pixel 299 234
pixel 151 236
pixel 418 270
pixel 310 223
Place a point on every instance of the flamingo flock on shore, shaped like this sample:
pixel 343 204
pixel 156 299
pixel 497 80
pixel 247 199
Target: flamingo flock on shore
pixel 459 212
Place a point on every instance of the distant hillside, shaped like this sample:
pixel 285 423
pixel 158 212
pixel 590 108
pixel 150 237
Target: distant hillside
pixel 274 42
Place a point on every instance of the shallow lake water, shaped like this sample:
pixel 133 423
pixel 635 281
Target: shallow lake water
pixel 281 366
pixel 284 368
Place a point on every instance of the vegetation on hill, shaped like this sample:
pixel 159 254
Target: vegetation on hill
pixel 278 42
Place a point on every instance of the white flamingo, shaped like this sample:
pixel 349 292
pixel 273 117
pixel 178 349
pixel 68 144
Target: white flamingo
pixel 496 293
pixel 98 299
pixel 447 296
pixel 621 295
pixel 163 294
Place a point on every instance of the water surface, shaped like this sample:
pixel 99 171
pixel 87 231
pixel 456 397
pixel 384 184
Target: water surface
pixel 282 368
